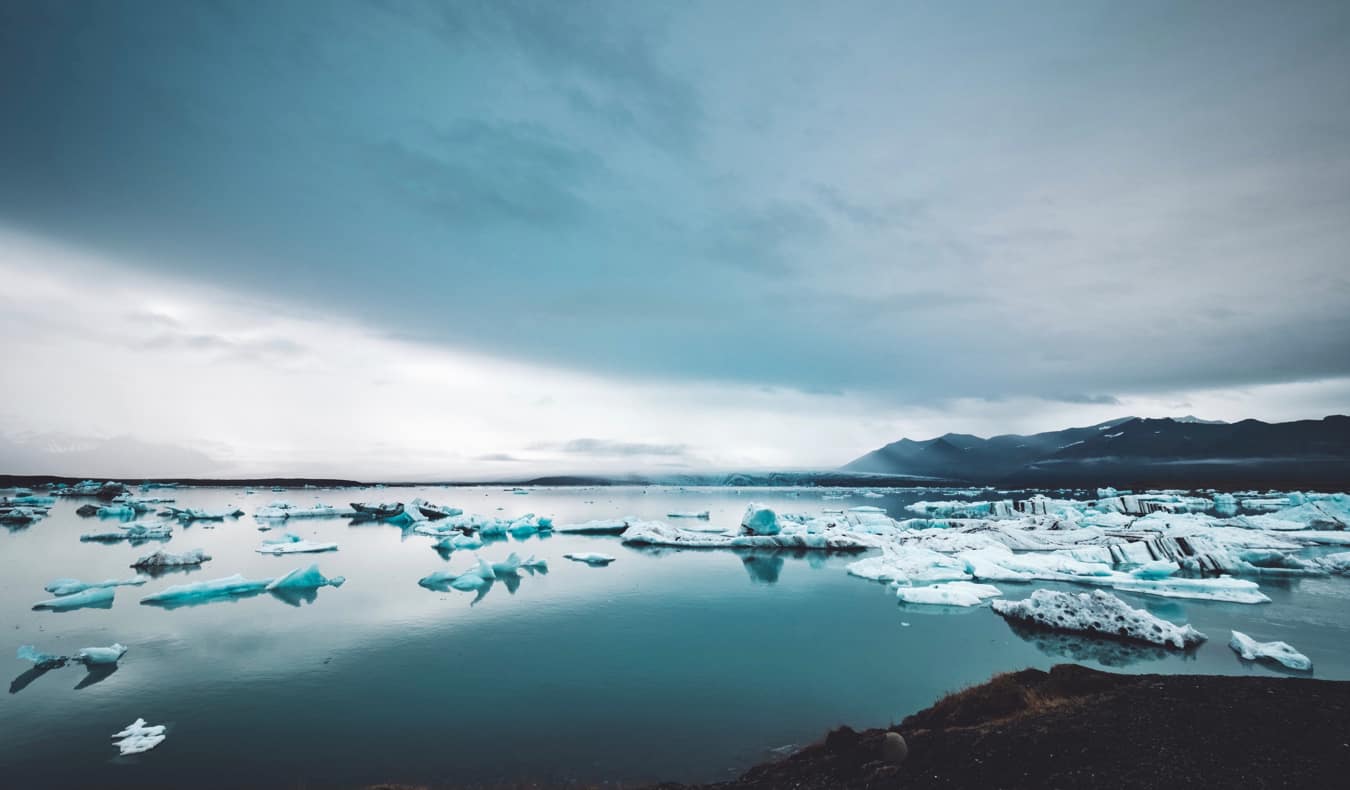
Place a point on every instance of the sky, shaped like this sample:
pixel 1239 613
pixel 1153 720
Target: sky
pixel 429 240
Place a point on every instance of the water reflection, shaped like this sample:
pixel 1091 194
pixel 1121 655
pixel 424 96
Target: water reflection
pixel 763 568
pixel 1080 647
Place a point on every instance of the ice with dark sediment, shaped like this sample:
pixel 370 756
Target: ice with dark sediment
pixel 1098 613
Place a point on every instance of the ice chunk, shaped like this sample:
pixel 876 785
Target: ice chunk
pixel 296 546
pixel 910 565
pixel 1223 588
pixel 509 567
pixel 703 514
pixel 61 587
pixel 1337 563
pixel 305 579
pixel 101 597
pixel 41 660
pixel 1099 613
pixel 100 656
pixel 139 737
pixel 195 592
pixel 948 594
pixel 535 564
pixel 1283 652
pixel 162 559
pixel 202 514
pixel 1155 569
pixel 285 510
pixel 598 527
pixel 759 521
pixel 133 533
pixel 590 557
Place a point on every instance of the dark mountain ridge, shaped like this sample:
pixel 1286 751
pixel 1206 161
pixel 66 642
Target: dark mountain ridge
pixel 1133 451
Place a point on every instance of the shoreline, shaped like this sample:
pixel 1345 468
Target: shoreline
pixel 1077 727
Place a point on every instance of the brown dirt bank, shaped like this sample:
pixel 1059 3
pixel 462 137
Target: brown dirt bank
pixel 1074 727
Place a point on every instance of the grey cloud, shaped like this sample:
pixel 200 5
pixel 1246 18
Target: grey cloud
pixel 611 448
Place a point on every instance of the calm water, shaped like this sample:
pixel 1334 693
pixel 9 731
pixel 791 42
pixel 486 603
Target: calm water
pixel 681 665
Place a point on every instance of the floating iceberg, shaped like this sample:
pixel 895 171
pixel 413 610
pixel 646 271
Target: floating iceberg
pixel 1282 652
pixel 479 577
pixel 305 579
pixel 100 656
pixel 435 512
pixel 459 542
pixel 948 594
pixel 759 521
pixel 42 661
pixel 1337 563
pixel 285 510
pixel 63 587
pixel 910 565
pixel 533 563
pixel 293 544
pixel 97 597
pixel 161 559
pixel 200 514
pixel 133 533
pixel 598 527
pixel 196 592
pixel 1098 613
pixel 703 514
pixel 138 737
pixel 590 557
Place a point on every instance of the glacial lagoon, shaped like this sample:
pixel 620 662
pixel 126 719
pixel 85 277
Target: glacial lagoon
pixel 668 664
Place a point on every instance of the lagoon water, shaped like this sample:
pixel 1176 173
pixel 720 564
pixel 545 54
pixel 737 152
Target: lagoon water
pixel 674 665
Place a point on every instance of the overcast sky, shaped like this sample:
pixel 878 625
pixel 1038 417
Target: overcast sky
pixel 464 239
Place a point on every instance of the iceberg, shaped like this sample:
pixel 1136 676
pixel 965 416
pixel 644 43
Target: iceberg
pixel 478 578
pixel 948 594
pixel 436 512
pixel 910 565
pixel 598 527
pixel 96 597
pixel 593 558
pixel 285 510
pixel 1282 652
pixel 459 542
pixel 199 514
pixel 211 589
pixel 160 560
pixel 510 567
pixel 138 737
pixel 703 514
pixel 759 521
pixel 1337 563
pixel 63 587
pixel 1097 613
pixel 292 544
pixel 533 564
pixel 100 656
pixel 41 661
pixel 132 533
pixel 305 579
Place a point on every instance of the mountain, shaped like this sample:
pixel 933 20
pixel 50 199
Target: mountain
pixel 1135 452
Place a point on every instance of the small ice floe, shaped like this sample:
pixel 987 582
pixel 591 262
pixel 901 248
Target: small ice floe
pixel 478 577
pixel 161 560
pixel 1282 652
pixel 1337 563
pixel 285 510
pixel 948 594
pixel 1097 613
pixel 138 737
pixel 100 656
pixel 293 544
pixel 116 511
pixel 597 527
pixel 201 514
pixel 703 514
pixel 458 542
pixel 593 558
pixel 97 597
pixel 533 563
pixel 509 567
pixel 132 533
pixel 62 587
pixel 437 512
pixel 380 510
pixel 20 516
pixel 300 579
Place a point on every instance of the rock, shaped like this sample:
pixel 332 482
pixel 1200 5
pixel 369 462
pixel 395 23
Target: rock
pixel 87 510
pixel 111 491
pixel 894 750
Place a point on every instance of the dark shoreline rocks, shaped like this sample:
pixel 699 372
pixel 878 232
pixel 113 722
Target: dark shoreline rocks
pixel 1074 727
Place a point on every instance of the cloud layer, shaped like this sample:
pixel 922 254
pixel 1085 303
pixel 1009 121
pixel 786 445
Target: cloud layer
pixel 1089 207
